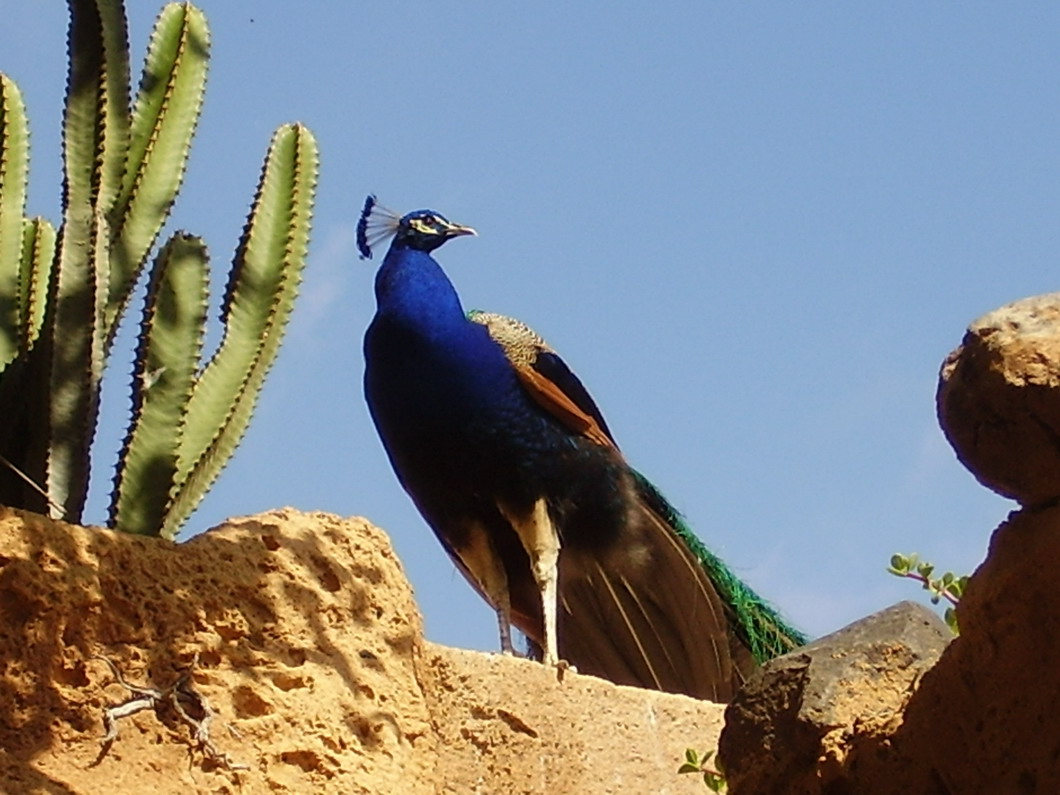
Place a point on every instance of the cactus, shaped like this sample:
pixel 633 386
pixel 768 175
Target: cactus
pixel 214 408
pixel 14 158
pixel 163 123
pixel 63 295
pixel 167 361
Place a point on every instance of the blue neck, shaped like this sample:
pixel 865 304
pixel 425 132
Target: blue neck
pixel 426 362
pixel 437 385
pixel 412 290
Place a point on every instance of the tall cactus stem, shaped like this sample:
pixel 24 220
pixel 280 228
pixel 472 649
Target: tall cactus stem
pixel 167 361
pixel 164 119
pixel 14 159
pixel 261 291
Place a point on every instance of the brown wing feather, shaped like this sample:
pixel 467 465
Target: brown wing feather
pixel 555 401
pixel 530 356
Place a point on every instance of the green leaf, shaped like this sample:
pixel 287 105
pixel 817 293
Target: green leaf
pixel 14 163
pixel 261 290
pixel 167 359
pixel 692 757
pixel 950 617
pixel 164 121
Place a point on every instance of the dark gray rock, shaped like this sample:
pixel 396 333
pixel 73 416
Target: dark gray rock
pixel 788 729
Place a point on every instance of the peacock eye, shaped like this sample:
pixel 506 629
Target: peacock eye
pixel 429 220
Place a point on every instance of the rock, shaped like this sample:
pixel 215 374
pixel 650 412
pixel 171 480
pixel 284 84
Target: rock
pixel 309 649
pixel 504 725
pixel 853 715
pixel 798 724
pixel 856 714
pixel 986 718
pixel 998 400
pixel 306 634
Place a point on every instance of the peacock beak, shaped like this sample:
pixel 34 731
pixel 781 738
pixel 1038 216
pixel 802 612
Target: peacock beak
pixel 456 230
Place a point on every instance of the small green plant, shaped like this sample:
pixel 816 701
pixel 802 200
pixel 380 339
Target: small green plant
pixel 949 586
pixel 699 764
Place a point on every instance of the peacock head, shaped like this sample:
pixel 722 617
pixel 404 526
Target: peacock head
pixel 423 230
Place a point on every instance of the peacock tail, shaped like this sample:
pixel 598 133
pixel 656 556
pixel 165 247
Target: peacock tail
pixel 755 620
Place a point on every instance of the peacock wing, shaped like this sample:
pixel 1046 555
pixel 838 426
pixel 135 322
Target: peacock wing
pixel 546 377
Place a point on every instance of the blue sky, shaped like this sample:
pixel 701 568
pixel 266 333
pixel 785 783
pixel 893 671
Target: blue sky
pixel 755 230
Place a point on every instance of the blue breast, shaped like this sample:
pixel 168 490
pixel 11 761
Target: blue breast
pixel 443 395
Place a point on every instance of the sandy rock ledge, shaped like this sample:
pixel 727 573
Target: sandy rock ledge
pixel 310 651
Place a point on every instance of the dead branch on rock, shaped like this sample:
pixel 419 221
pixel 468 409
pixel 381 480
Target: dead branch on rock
pixel 181 697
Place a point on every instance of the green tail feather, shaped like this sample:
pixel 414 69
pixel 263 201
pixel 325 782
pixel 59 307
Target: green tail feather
pixel 756 621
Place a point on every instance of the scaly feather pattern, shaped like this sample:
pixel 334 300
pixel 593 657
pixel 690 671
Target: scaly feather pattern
pixel 512 465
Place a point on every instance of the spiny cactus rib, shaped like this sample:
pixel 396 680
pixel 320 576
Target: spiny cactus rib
pixel 96 122
pixel 164 120
pixel 62 294
pixel 14 159
pixel 167 360
pixel 261 291
pixel 38 253
pixel 95 138
pixel 75 366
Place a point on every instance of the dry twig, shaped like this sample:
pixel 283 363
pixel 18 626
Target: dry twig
pixel 176 696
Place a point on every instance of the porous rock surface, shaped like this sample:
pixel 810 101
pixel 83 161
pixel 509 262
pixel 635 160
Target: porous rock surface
pixel 999 399
pixel 986 718
pixel 307 644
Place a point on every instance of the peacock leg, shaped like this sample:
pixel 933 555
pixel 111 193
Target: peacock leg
pixel 479 558
pixel 541 542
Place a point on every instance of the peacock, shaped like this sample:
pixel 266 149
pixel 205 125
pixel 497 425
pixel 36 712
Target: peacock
pixel 511 463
